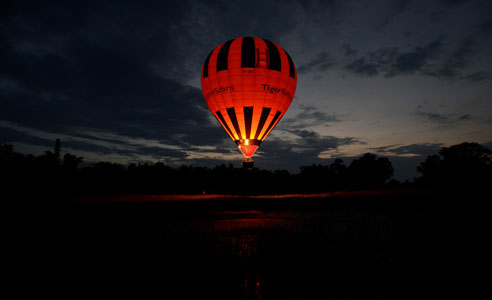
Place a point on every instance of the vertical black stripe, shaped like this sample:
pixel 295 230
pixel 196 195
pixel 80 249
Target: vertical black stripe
pixel 205 66
pixel 248 119
pixel 223 55
pixel 248 53
pixel 224 122
pixel 273 122
pixel 232 115
pixel 292 69
pixel 264 115
pixel 274 56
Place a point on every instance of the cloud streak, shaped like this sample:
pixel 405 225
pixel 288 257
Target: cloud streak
pixel 321 63
pixel 431 59
pixel 305 148
pixel 309 117
pixel 444 119
pixel 410 150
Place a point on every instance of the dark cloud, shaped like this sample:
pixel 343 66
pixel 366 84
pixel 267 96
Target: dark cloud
pixel 218 21
pixel 384 56
pixel 160 153
pixel 444 119
pixel 438 16
pixel 150 33
pixel 454 2
pixel 396 8
pixel 421 149
pixel 383 148
pixel 454 62
pixel 348 50
pixel 409 62
pixel 360 66
pixel 478 76
pixel 308 117
pixel 305 149
pixel 107 144
pixel 152 107
pixel 431 59
pixel 104 68
pixel 91 146
pixel 10 135
pixel 408 34
pixel 486 26
pixel 324 61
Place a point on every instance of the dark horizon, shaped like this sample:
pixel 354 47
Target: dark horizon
pixel 462 166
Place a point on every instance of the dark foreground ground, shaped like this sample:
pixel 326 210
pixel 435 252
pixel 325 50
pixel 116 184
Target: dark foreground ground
pixel 362 245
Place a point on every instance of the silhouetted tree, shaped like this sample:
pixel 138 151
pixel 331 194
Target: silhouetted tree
pixel 71 162
pixel 57 149
pixel 459 165
pixel 370 171
pixel 315 178
pixel 321 178
pixel 431 169
pixel 338 172
pixel 48 161
pixel 6 156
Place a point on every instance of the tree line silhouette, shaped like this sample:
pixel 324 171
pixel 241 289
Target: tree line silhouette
pixel 462 165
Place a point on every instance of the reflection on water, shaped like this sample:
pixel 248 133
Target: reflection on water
pixel 241 253
pixel 241 233
pixel 298 255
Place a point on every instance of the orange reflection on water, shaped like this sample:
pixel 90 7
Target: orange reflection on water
pixel 252 220
pixel 219 197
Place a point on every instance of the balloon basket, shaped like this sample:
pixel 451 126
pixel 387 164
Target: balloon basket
pixel 248 163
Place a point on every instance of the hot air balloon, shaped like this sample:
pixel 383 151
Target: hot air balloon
pixel 248 84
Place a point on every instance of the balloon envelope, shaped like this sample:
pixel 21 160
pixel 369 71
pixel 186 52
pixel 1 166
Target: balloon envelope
pixel 248 84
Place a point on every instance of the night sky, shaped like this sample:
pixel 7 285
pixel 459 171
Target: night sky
pixel 120 80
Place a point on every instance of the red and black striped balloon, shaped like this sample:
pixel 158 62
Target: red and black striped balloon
pixel 249 84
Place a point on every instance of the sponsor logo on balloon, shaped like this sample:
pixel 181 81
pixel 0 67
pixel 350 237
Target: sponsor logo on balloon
pixel 220 90
pixel 266 88
pixel 275 90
